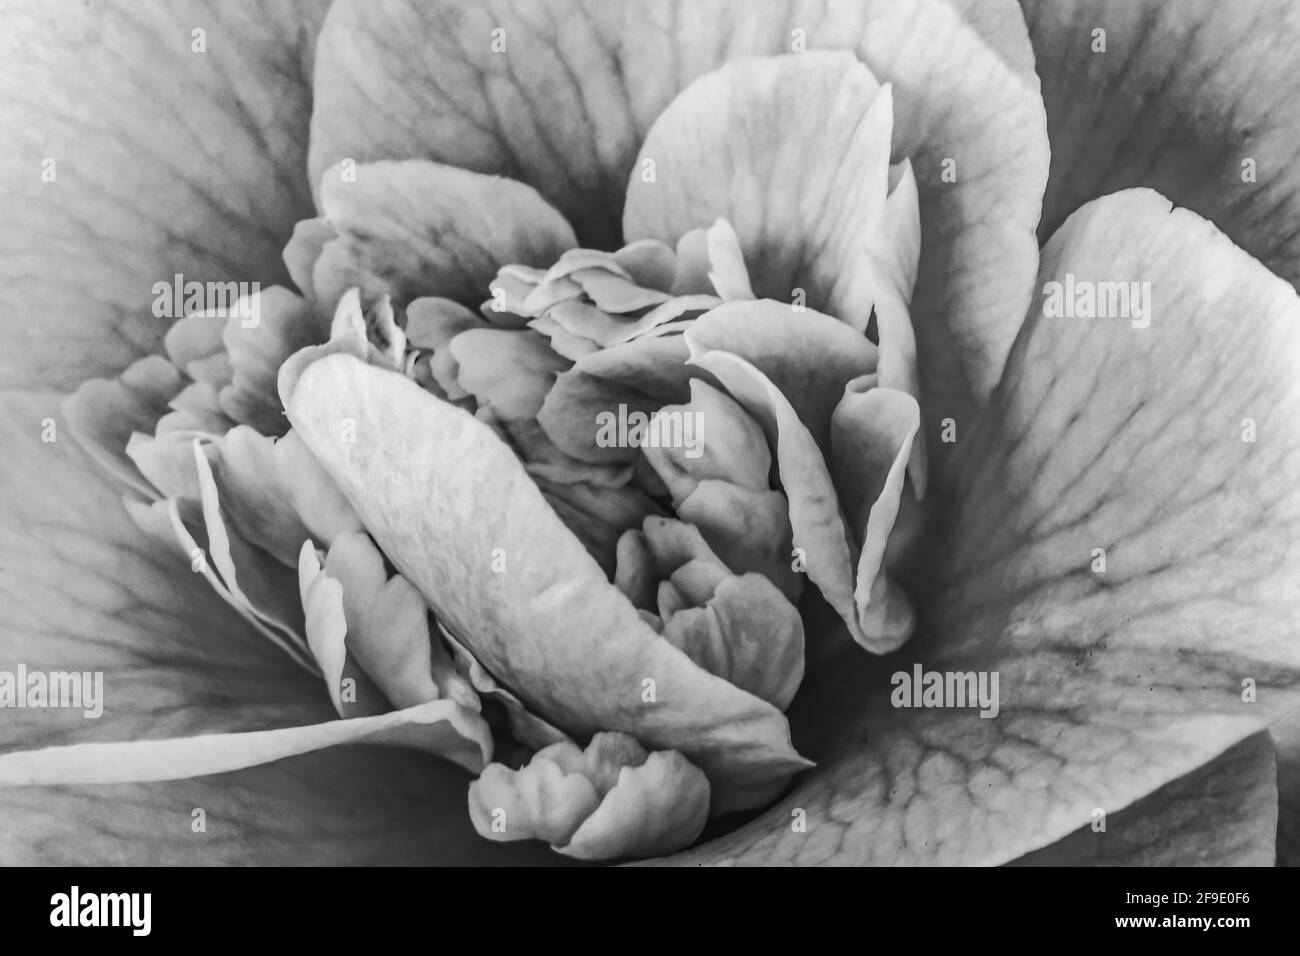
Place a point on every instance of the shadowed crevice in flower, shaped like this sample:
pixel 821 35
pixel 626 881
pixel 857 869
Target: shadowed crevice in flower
pixel 1286 736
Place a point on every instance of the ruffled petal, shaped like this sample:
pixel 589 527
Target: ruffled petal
pixel 643 376
pixel 809 356
pixel 872 433
pixel 416 228
pixel 880 617
pixel 437 82
pixel 611 801
pixel 282 324
pixel 389 629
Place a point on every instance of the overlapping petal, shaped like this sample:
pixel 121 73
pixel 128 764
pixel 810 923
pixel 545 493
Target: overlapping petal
pixel 416 228
pixel 467 84
pixel 1112 683
pixel 1006 593
pixel 515 586
pixel 83 589
pixel 611 800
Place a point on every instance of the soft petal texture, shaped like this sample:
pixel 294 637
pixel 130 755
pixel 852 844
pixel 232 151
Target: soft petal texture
pixel 256 497
pixel 727 269
pixel 166 160
pixel 735 450
pixel 744 630
pixel 894 265
pixel 1004 33
pixel 428 81
pixel 446 501
pixel 538 802
pixel 416 228
pixel 720 483
pixel 326 625
pixel 276 493
pixel 644 375
pixel 508 372
pixel 1115 684
pixel 655 807
pixel 195 531
pixel 83 589
pixel 809 356
pixel 878 614
pixel 283 324
pixel 432 322
pixel 264 595
pixel 1184 95
pixel 388 628
pixel 875 432
pixel 736 625
pixel 350 688
pixel 733 150
pixel 167 462
pixel 612 800
pixel 586 299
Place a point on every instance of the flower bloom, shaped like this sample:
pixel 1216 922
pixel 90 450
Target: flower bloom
pixel 594 478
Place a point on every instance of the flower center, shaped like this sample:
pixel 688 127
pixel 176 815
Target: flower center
pixel 666 480
pixel 631 410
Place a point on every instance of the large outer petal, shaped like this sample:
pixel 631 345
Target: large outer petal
pixel 1222 814
pixel 566 104
pixel 83 589
pixel 1111 685
pixel 1183 95
pixel 166 161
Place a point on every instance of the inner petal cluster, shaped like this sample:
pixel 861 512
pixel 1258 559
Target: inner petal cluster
pixel 587 510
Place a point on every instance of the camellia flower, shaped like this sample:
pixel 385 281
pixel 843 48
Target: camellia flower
pixel 665 440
